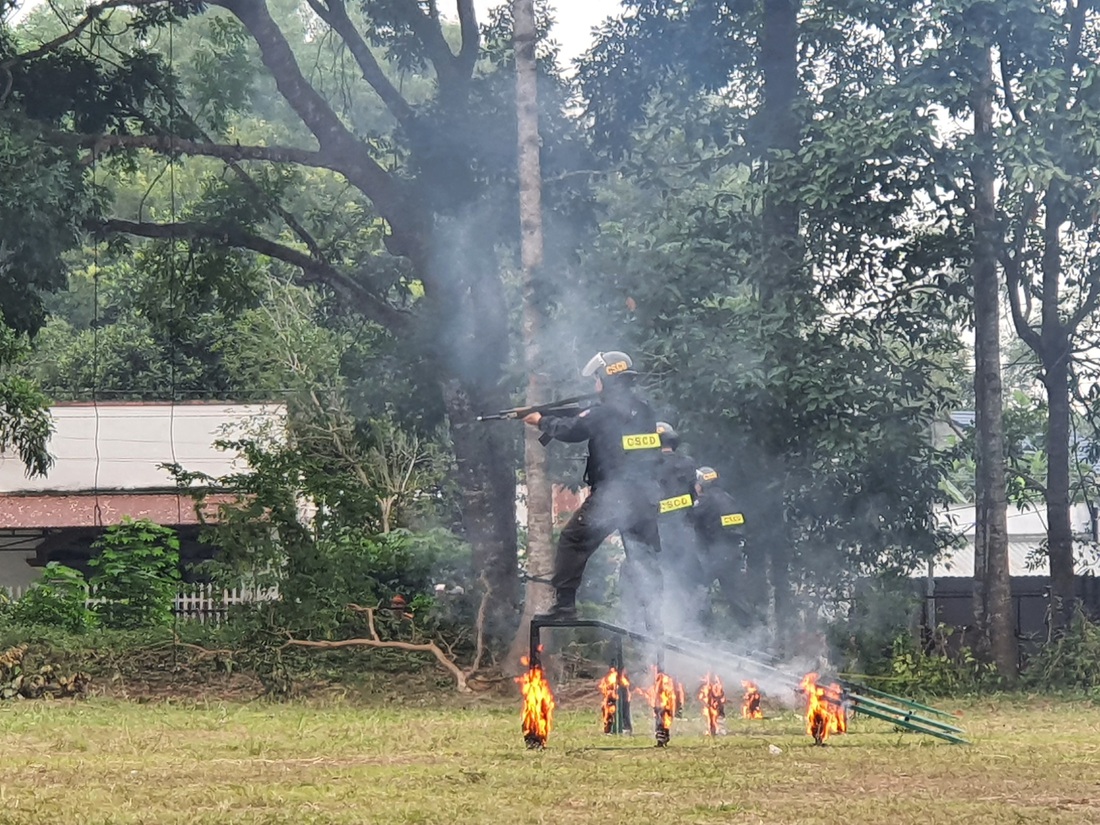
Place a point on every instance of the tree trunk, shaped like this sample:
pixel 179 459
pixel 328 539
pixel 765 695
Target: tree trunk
pixel 1059 529
pixel 469 329
pixel 993 614
pixel 540 526
pixel 779 65
pixel 1055 357
pixel 486 476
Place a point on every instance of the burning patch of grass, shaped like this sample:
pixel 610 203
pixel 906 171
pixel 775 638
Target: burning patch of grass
pixel 104 761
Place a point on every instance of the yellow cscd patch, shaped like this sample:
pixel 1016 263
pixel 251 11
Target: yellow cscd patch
pixel 642 441
pixel 710 476
pixel 732 520
pixel 676 503
pixel 617 367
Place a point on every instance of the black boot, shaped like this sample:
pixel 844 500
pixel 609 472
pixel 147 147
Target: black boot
pixel 564 608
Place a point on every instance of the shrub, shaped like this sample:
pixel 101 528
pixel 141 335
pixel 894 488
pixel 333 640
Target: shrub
pixel 1068 662
pixel 937 670
pixel 58 599
pixel 136 575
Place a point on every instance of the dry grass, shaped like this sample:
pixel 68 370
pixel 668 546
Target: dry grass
pixel 106 761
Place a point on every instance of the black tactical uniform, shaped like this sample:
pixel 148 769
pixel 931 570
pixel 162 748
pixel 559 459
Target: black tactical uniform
pixel 621 472
pixel 718 525
pixel 681 560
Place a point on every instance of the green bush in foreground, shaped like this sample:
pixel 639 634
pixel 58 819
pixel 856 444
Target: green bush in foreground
pixel 136 574
pixel 58 599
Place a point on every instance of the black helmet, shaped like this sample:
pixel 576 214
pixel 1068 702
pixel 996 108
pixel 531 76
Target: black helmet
pixel 669 437
pixel 606 365
pixel 705 476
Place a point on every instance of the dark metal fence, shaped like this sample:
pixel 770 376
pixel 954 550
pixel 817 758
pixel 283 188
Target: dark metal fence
pixel 952 605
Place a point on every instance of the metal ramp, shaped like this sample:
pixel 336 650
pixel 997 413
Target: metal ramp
pixel 902 713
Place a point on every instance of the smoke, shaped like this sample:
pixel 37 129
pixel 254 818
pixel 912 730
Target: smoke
pixel 638 274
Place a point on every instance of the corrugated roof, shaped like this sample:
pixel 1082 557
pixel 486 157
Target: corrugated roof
pixel 964 418
pixel 959 561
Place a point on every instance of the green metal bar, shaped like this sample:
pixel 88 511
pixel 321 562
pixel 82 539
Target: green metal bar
pixel 856 687
pixel 909 715
pixel 947 737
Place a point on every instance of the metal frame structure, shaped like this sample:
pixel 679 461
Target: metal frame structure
pixel 902 713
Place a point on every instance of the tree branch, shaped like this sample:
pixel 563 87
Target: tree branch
pixel 1010 260
pixel 1006 88
pixel 1077 13
pixel 427 29
pixel 364 301
pixel 90 14
pixel 1026 332
pixel 427 647
pixel 1027 478
pixel 336 15
pixel 315 112
pixel 482 613
pixel 376 641
pixel 1088 306
pixel 471 38
pixel 169 144
pixel 249 181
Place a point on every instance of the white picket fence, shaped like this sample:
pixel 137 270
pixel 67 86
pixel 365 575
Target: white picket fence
pixel 201 603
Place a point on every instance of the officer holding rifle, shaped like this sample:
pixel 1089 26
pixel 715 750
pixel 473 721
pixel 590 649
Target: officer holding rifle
pixel 621 472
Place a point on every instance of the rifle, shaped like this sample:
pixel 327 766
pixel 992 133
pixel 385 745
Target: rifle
pixel 563 408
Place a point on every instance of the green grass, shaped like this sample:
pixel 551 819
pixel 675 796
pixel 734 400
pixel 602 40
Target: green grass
pixel 104 761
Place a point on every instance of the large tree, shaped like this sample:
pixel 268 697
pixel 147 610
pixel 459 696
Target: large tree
pixel 434 182
pixel 1050 249
pixel 539 561
pixel 795 303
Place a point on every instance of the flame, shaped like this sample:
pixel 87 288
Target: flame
pixel 713 697
pixel 610 687
pixel 680 698
pixel 825 712
pixel 661 696
pixel 750 702
pixel 664 699
pixel 538 705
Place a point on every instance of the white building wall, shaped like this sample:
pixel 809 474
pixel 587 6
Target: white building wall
pixel 121 446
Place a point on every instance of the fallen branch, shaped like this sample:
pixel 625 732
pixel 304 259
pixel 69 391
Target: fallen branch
pixel 376 641
pixel 461 676
pixel 479 626
pixel 200 651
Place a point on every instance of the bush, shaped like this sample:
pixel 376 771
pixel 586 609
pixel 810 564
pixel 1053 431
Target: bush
pixel 348 565
pixel 938 671
pixel 1068 662
pixel 136 574
pixel 58 599
pixel 880 613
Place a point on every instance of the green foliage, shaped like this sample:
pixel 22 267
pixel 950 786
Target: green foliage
pixel 881 611
pixel 43 204
pixel 1068 662
pixel 58 599
pixel 937 671
pixel 25 423
pixel 349 566
pixel 136 574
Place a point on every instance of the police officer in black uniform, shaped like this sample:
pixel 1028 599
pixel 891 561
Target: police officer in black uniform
pixel 675 473
pixel 621 472
pixel 686 582
pixel 718 525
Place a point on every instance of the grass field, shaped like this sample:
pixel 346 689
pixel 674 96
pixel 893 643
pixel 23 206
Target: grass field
pixel 1032 761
